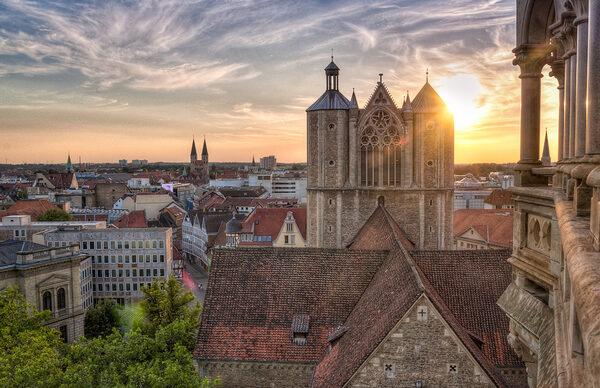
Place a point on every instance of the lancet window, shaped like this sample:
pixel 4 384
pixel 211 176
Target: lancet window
pixel 381 141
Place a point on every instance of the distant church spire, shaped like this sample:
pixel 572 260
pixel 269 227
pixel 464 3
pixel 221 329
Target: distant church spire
pixel 546 154
pixel 193 154
pixel 204 150
pixel 69 165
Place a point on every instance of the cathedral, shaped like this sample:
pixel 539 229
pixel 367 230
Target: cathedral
pixel 199 169
pixel 402 157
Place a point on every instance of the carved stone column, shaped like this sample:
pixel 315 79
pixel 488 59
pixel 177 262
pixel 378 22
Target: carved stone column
pixel 567 110
pixel 566 34
pixel 581 86
pixel 558 72
pixel 531 60
pixel 593 86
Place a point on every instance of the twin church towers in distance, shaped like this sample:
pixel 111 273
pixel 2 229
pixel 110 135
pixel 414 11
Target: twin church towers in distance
pixel 398 157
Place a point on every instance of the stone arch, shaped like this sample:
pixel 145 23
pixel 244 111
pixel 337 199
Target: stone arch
pixel 537 16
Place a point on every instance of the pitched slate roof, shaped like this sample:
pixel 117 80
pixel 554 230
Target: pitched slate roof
pixel 427 100
pixel 458 277
pixel 253 295
pixel 494 225
pixel 331 99
pixel 10 248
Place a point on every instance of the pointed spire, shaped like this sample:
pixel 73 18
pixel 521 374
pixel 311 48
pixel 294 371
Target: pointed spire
pixel 407 106
pixel 353 103
pixel 184 173
pixel 193 153
pixel 204 150
pixel 546 154
pixel 69 165
pixel 253 162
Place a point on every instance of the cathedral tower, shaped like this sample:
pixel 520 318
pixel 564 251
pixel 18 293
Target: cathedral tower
pixel 357 158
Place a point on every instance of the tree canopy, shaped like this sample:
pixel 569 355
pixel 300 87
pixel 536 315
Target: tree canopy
pixel 55 215
pixel 101 319
pixel 154 354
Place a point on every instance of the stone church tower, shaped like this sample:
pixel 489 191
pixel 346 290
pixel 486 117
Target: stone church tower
pixel 400 156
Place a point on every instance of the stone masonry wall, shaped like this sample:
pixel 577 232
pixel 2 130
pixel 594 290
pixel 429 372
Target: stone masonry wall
pixel 240 374
pixel 423 348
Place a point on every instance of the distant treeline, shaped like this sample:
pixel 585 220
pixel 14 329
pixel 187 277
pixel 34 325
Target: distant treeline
pixel 481 169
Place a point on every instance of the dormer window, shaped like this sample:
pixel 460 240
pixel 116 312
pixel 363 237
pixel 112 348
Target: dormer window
pixel 300 323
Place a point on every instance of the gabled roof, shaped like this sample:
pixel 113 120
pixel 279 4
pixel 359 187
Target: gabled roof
pixel 427 100
pixel 244 319
pixel 381 96
pixel 500 197
pixel 494 225
pixel 268 221
pixel 331 99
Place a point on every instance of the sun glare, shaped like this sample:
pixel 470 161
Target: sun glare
pixel 460 93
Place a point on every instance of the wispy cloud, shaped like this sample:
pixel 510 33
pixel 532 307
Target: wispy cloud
pixel 245 70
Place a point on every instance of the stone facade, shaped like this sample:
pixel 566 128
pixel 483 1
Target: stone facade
pixel 553 301
pixel 123 260
pixel 359 157
pixel 236 374
pixel 55 279
pixel 108 193
pixel 421 348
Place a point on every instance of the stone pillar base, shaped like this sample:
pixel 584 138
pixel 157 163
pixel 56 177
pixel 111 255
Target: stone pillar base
pixel 524 177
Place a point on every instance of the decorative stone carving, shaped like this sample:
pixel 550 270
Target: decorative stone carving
pixel 531 59
pixel 539 236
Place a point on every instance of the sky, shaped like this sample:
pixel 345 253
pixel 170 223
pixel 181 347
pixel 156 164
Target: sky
pixel 106 80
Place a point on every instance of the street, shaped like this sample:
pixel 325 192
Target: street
pixel 194 275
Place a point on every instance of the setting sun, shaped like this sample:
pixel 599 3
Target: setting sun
pixel 461 93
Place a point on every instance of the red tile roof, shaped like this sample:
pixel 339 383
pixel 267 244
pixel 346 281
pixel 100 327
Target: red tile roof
pixel 268 222
pixel 253 295
pixel 494 225
pixel 134 219
pixel 458 277
pixel 32 207
pixel 500 197
pixel 60 181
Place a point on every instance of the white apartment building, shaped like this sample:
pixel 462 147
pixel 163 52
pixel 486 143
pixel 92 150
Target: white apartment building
pixel 470 199
pixel 123 260
pixel 194 238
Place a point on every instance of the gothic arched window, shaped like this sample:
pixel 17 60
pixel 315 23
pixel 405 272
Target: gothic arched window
pixel 381 143
pixel 61 299
pixel 47 301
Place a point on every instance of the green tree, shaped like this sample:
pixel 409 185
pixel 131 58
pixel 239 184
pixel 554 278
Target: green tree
pixel 22 194
pixel 101 319
pixel 55 215
pixel 166 303
pixel 30 354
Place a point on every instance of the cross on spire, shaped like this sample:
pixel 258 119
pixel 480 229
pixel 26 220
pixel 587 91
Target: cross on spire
pixel 427 75
pixel 332 54
pixel 380 77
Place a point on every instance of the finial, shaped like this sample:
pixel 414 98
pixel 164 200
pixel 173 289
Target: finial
pixel 380 77
pixel 331 55
pixel 427 75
